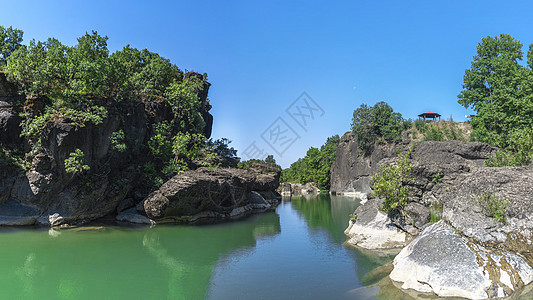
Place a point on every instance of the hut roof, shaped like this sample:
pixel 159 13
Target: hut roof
pixel 429 115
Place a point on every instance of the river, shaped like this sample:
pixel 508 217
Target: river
pixel 294 252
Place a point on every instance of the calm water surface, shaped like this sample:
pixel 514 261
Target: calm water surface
pixel 296 252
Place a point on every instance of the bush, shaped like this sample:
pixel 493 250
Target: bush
pixel 221 147
pixel 118 142
pixel 75 163
pixel 433 133
pixel 519 152
pixel 493 206
pixel 389 184
pixel 420 125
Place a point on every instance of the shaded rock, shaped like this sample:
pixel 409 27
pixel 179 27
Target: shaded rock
pixel 413 219
pixel 221 191
pixel 8 175
pixel 132 216
pixel 439 260
pixel 9 124
pixel 14 213
pixel 125 204
pixel 352 169
pixel 373 229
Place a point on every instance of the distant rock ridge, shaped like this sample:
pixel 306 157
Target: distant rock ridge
pixel 468 253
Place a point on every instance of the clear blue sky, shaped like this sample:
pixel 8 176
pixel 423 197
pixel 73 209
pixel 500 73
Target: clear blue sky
pixel 260 56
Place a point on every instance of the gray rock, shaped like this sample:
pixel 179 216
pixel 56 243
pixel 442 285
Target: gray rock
pixel 373 229
pixel 304 189
pixel 352 169
pixel 132 216
pixel 439 260
pixel 221 191
pixel 55 219
pixel 14 213
pixel 512 184
pixel 125 204
pixel 286 189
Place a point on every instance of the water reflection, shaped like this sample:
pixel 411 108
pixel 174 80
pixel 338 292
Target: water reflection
pixel 189 254
pixel 332 213
pixel 295 252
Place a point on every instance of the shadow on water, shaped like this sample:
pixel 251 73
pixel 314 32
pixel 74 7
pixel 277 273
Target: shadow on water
pixel 174 262
pixel 295 252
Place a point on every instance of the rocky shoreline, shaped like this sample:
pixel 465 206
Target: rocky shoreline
pixel 450 245
pixel 36 188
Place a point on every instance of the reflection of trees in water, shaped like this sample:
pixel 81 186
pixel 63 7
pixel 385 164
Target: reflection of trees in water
pixel 326 211
pixel 190 253
pixel 332 213
pixel 26 274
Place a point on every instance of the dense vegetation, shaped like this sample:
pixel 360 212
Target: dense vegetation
pixel 376 123
pixel 315 166
pixel 500 90
pixel 388 184
pixel 84 84
pixel 269 160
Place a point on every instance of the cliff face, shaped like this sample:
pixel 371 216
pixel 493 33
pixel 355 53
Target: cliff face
pixel 483 257
pixel 352 170
pixel 34 191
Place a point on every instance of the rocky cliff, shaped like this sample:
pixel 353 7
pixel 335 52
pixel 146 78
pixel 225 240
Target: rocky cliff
pixel 352 169
pixel 469 253
pixel 36 189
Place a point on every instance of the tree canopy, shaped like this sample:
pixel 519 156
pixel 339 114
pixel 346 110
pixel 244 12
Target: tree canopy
pixel 500 90
pixel 315 166
pixel 369 124
pixel 10 40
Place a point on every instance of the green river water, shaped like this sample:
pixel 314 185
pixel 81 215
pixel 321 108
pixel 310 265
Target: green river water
pixel 294 252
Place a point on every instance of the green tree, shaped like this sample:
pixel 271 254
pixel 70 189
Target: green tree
pixel 315 166
pixel 10 40
pixel 369 124
pixel 499 89
pixel 388 184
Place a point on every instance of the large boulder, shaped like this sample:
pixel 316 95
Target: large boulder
pixel 373 229
pixel 442 261
pixel 220 193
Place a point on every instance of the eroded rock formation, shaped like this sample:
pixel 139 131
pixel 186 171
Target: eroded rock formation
pixel 469 253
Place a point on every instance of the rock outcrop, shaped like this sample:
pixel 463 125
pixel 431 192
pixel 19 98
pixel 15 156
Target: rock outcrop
pixel 373 229
pixel 206 193
pixel 304 189
pixel 352 169
pixel 437 167
pixel 36 189
pixel 442 261
pixel 469 253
